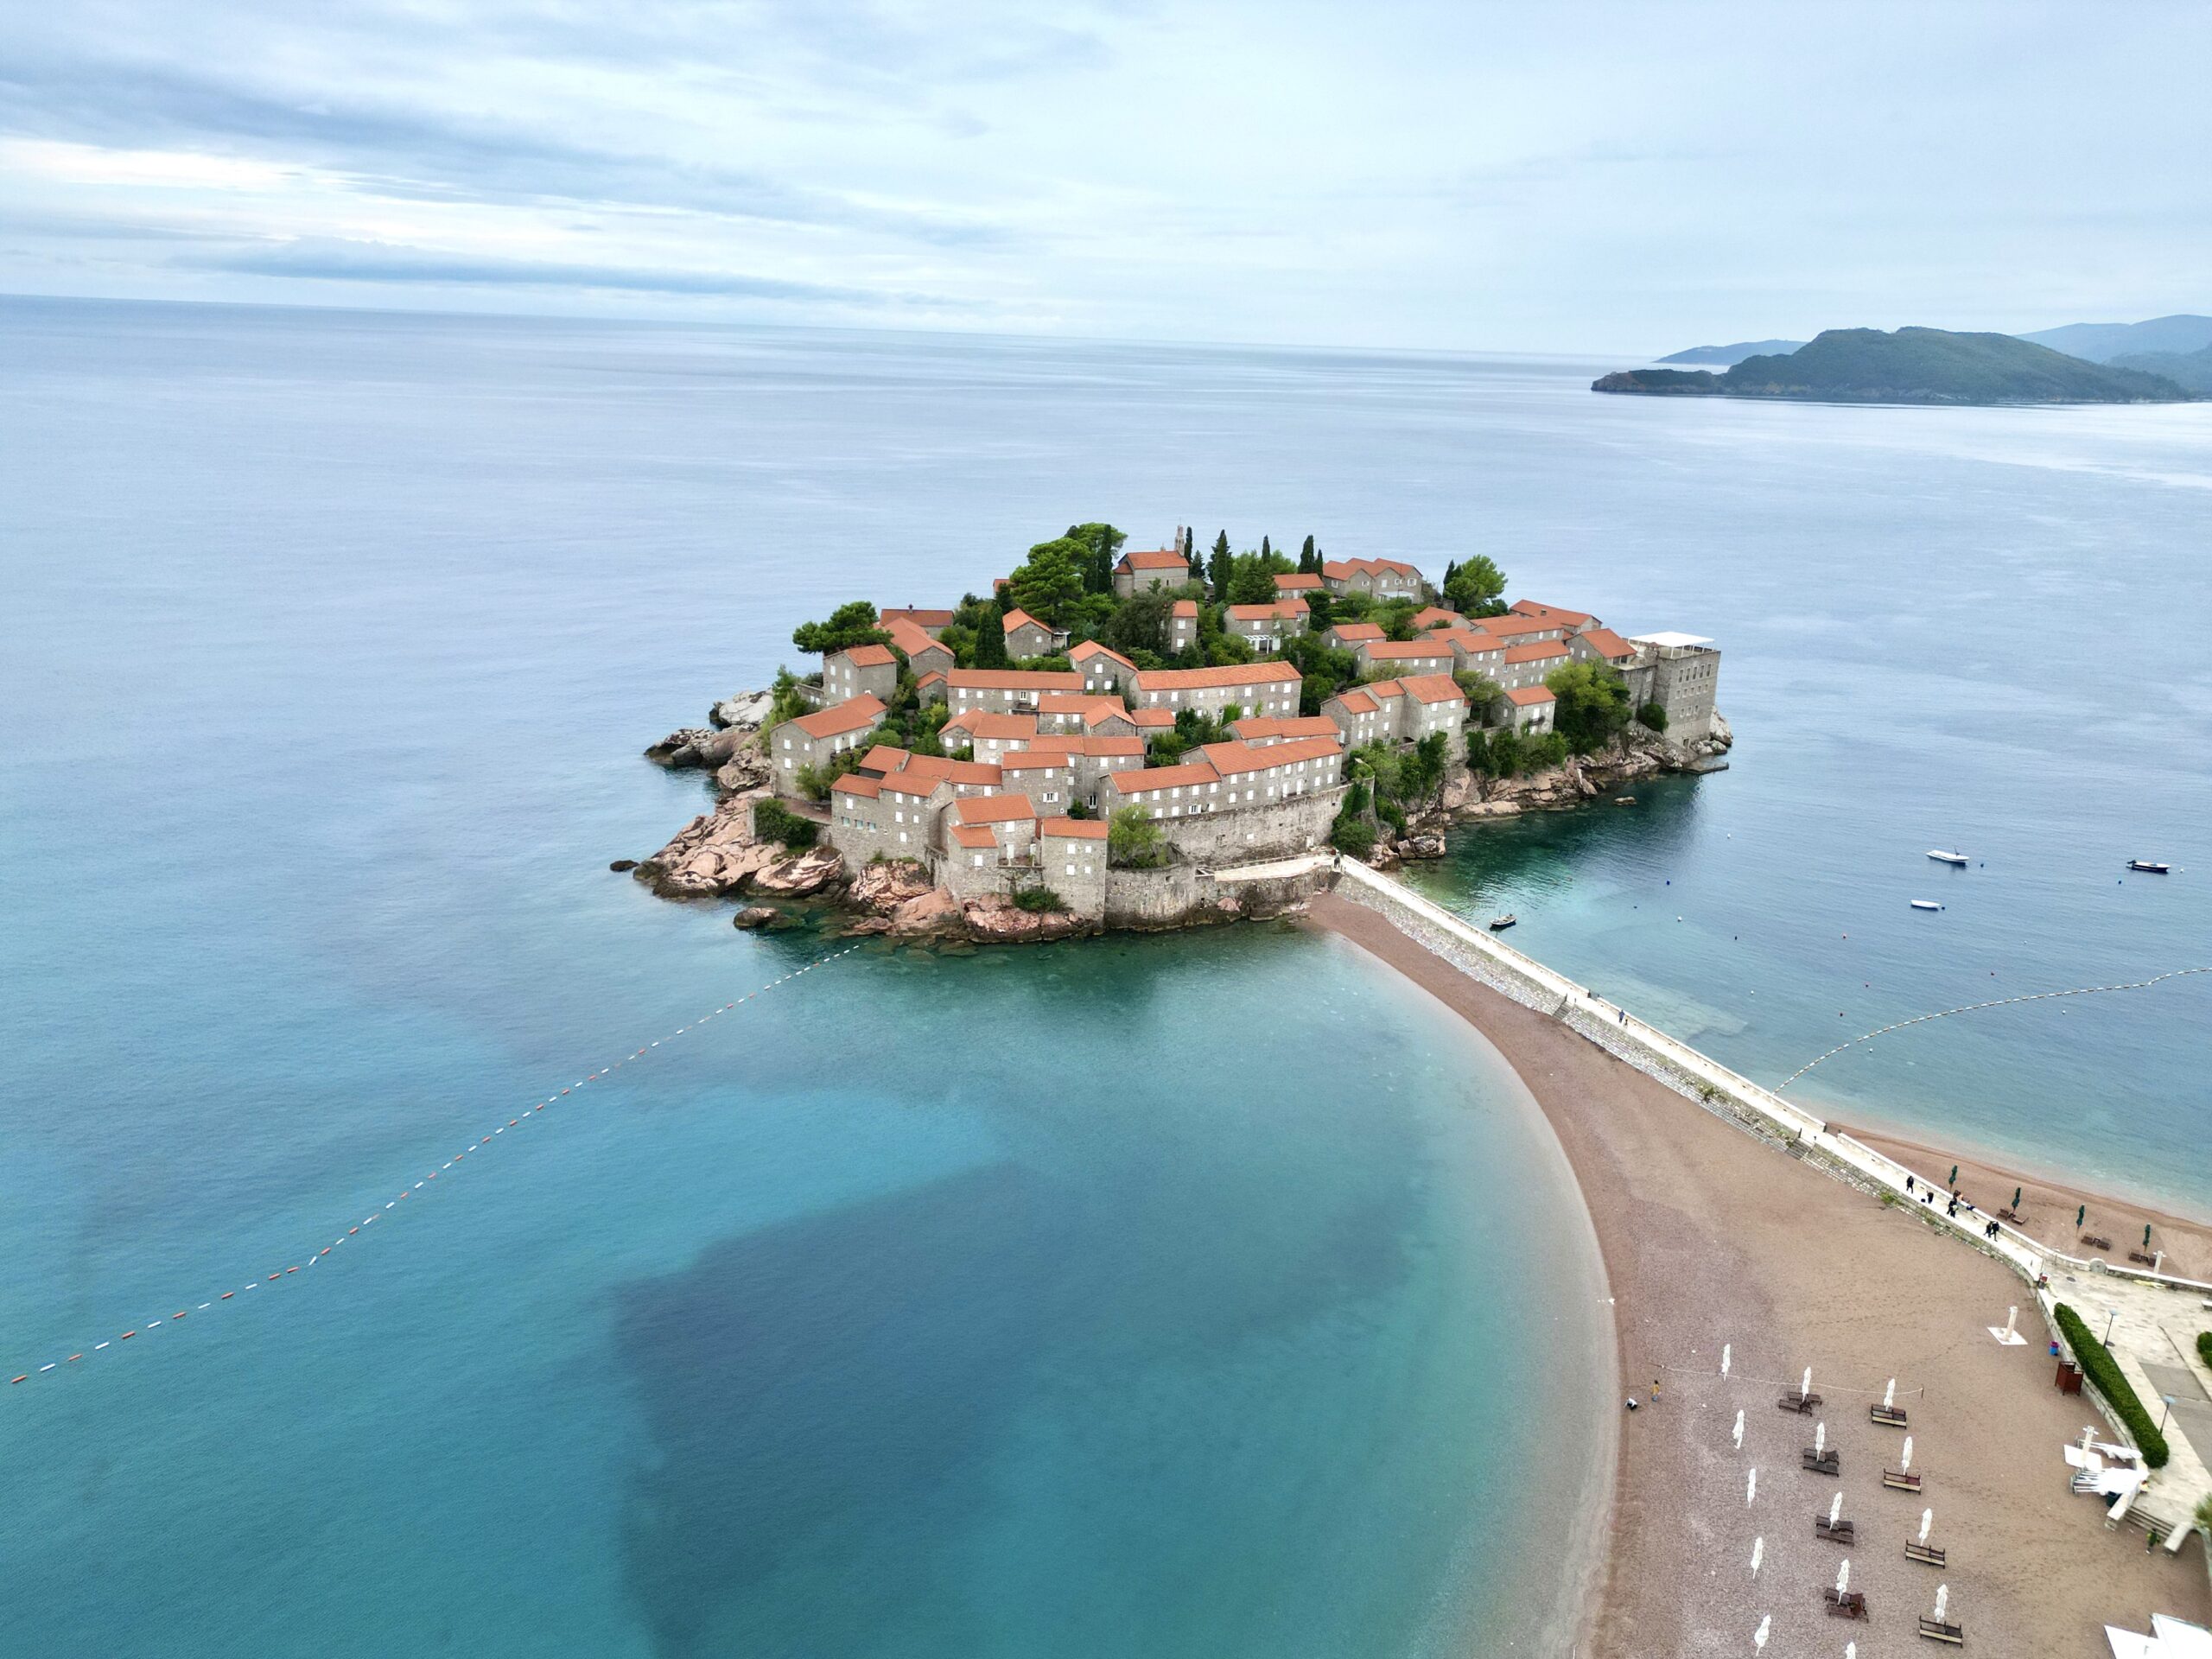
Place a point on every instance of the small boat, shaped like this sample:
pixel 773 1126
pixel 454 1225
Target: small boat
pixel 1942 857
pixel 1926 903
pixel 2149 866
pixel 1499 924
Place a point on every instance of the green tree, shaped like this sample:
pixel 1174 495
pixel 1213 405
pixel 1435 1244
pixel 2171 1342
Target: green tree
pixel 1653 716
pixel 849 624
pixel 1139 623
pixel 1219 565
pixel 1309 561
pixel 1474 588
pixel 1320 609
pixel 1265 552
pixel 1592 705
pixel 1134 841
pixel 1049 583
pixel 990 638
pixel 1482 691
pixel 1102 545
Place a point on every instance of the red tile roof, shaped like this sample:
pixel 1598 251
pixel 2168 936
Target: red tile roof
pixel 1013 679
pixel 1233 759
pixel 1510 627
pixel 1386 688
pixel 1351 633
pixel 1528 695
pixel 978 722
pixel 854 784
pixel 919 619
pixel 1151 719
pixel 1184 608
pixel 1297 582
pixel 976 835
pixel 1342 569
pixel 1408 651
pixel 867 656
pixel 1091 648
pixel 929 679
pixel 1535 650
pixel 1144 779
pixel 1036 761
pixel 1073 828
pixel 1097 748
pixel 1256 725
pixel 1607 644
pixel 1356 702
pixel 853 714
pixel 1435 616
pixel 917 774
pixel 910 638
pixel 993 809
pixel 1154 559
pixel 1565 619
pixel 1473 641
pixel 1280 610
pixel 1018 618
pixel 1185 679
pixel 1433 688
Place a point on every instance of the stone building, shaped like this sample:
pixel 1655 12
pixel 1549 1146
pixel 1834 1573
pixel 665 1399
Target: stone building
pixel 1351 636
pixel 1379 578
pixel 988 735
pixel 1260 730
pixel 1072 860
pixel 1355 712
pixel 1475 651
pixel 1527 661
pixel 1080 713
pixel 1277 771
pixel 1141 572
pixel 1430 656
pixel 1680 673
pixel 816 740
pixel 1266 627
pixel 1182 627
pixel 1602 646
pixel 923 654
pixel 1105 671
pixel 931 623
pixel 1026 637
pixel 858 671
pixel 1252 687
pixel 1297 582
pixel 1005 691
pixel 1528 707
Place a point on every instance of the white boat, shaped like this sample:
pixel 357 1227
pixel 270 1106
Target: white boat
pixel 1942 857
pixel 2148 865
pixel 1926 903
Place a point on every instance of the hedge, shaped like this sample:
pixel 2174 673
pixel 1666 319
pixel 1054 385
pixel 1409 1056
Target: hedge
pixel 773 821
pixel 2101 1369
pixel 2204 1347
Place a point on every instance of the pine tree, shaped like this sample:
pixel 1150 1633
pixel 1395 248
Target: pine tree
pixel 1308 563
pixel 1221 566
pixel 990 638
pixel 1265 551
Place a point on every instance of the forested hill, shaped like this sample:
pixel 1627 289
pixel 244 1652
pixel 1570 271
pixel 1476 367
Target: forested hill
pixel 1913 366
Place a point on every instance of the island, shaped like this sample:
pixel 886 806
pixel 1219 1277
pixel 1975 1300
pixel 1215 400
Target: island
pixel 1150 738
pixel 1723 357
pixel 1912 365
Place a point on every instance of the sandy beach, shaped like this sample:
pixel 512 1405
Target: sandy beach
pixel 1710 1239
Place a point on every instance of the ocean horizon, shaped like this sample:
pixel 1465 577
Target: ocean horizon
pixel 1199 1294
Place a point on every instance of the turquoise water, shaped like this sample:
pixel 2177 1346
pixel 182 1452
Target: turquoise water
pixel 1167 1296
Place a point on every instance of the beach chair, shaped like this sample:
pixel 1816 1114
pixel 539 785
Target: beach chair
pixel 1822 1463
pixel 1843 1532
pixel 2014 1217
pixel 1926 1554
pixel 1935 1629
pixel 2096 1244
pixel 1898 1481
pixel 1852 1604
pixel 1802 1404
pixel 2146 1261
pixel 1887 1416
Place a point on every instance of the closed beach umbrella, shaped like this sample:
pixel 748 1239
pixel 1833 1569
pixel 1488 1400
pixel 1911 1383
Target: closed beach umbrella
pixel 1954 1181
pixel 2081 1214
pixel 2146 1235
pixel 2016 1197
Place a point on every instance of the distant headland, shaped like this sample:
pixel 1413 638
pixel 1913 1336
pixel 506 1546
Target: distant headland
pixel 1912 365
pixel 1156 738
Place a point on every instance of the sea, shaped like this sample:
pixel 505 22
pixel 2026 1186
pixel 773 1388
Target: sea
pixel 1210 1293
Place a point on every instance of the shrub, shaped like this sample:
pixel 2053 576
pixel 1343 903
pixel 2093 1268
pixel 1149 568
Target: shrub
pixel 2204 1347
pixel 773 821
pixel 1652 716
pixel 1543 751
pixel 2100 1368
pixel 1038 900
pixel 1353 836
pixel 1134 841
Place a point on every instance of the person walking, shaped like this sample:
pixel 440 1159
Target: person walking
pixel 1654 1390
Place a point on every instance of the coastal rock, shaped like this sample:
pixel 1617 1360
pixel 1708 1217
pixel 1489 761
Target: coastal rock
pixel 863 927
pixel 754 916
pixel 801 874
pixel 746 770
pixel 882 888
pixel 933 914
pixel 1421 847
pixel 712 749
pixel 1492 809
pixel 746 710
pixel 1384 857
pixel 1001 921
pixel 679 748
pixel 713 855
pixel 623 865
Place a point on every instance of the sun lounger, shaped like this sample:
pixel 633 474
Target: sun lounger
pixel 1850 1604
pixel 1886 1416
pixel 1802 1404
pixel 1935 1630
pixel 2008 1215
pixel 1843 1532
pixel 1926 1554
pixel 2096 1244
pixel 2147 1260
pixel 1898 1481
pixel 1822 1463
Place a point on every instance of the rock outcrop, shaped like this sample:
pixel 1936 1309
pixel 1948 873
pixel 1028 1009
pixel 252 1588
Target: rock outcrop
pixel 1001 921
pixel 882 888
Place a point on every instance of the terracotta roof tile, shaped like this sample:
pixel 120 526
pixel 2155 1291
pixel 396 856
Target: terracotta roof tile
pixel 980 722
pixel 919 619
pixel 1254 726
pixel 1297 582
pixel 1607 644
pixel 1527 695
pixel 1013 679
pixel 1144 780
pixel 1351 633
pixel 1407 650
pixel 1233 759
pixel 1185 679
pixel 1564 618
pixel 993 809
pixel 853 714
pixel 976 835
pixel 854 783
pixel 1162 558
pixel 1073 828
pixel 1433 688
pixel 1535 650
pixel 1356 702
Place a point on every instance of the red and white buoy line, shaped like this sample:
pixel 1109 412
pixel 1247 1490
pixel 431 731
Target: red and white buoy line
pixel 283 1275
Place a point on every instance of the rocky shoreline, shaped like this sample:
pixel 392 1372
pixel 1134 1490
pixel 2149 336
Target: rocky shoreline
pixel 717 856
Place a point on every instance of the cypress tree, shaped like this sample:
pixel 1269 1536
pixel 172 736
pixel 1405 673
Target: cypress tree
pixel 1307 565
pixel 990 638
pixel 1265 552
pixel 1221 566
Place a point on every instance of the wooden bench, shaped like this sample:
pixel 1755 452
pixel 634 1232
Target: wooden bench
pixel 1802 1404
pixel 1843 1532
pixel 2096 1244
pixel 1822 1463
pixel 1935 1630
pixel 1898 1481
pixel 1926 1554
pixel 1850 1604
pixel 1887 1416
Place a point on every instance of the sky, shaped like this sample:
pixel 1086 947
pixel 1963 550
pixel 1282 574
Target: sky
pixel 1548 177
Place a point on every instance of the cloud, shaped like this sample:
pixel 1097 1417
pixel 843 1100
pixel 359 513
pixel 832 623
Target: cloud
pixel 335 259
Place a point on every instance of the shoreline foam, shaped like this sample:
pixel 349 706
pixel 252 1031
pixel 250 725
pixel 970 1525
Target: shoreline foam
pixel 1709 1236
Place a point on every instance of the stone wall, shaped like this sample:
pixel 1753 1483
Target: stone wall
pixel 1246 834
